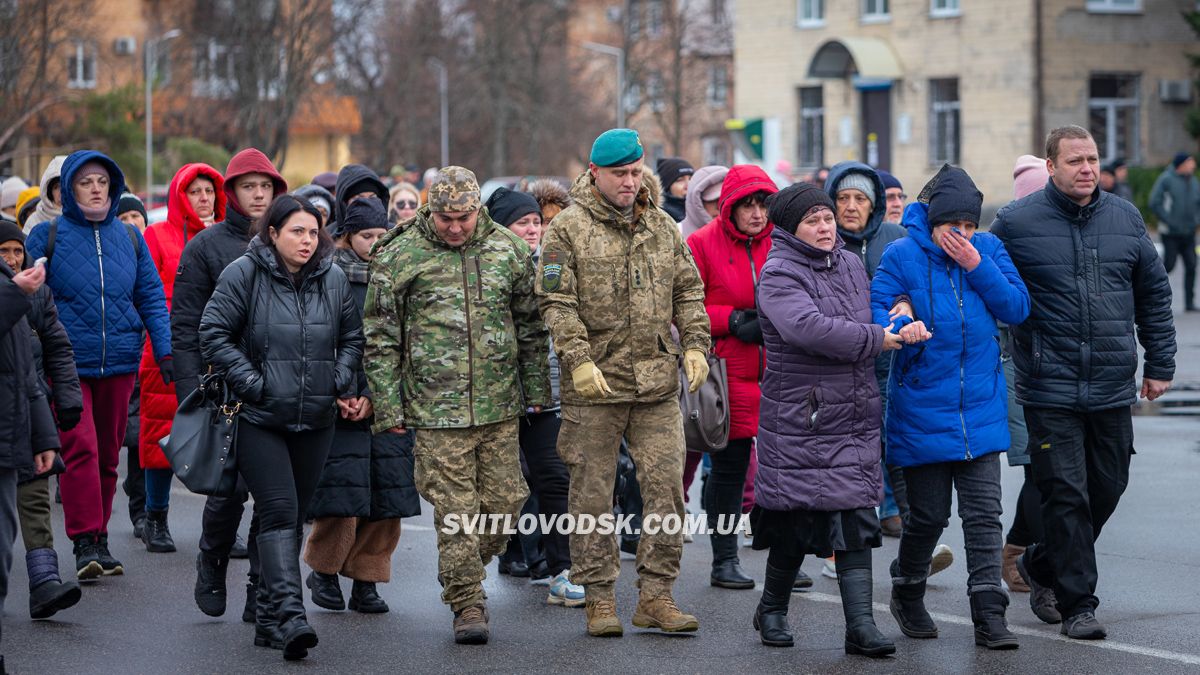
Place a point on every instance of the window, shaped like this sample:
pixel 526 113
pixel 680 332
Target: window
pixel 654 18
pixel 944 121
pixel 633 97
pixel 812 127
pixel 944 8
pixel 1114 6
pixel 810 13
pixel 634 25
pixel 718 86
pixel 874 11
pixel 714 149
pixel 81 65
pixel 1113 105
pixel 719 15
pixel 656 91
pixel 213 77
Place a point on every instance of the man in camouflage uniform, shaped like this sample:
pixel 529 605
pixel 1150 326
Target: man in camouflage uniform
pixel 613 275
pixel 452 315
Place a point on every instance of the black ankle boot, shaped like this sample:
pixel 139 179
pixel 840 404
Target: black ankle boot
pixel 279 559
pixel 210 583
pixel 908 608
pixel 156 534
pixel 862 636
pixel 770 619
pixel 987 612
pixel 326 591
pixel 726 568
pixel 365 598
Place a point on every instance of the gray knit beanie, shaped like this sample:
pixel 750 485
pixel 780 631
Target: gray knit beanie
pixel 858 181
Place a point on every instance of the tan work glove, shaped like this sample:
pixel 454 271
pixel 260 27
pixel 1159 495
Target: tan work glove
pixel 589 381
pixel 695 366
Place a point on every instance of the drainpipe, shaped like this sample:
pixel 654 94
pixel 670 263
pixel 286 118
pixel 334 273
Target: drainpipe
pixel 1039 99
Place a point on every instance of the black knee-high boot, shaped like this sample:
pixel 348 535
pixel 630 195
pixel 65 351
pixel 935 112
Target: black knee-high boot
pixel 770 619
pixel 280 572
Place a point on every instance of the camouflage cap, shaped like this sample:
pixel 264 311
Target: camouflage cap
pixel 454 189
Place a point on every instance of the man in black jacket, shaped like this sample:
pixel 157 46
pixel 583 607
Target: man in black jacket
pixel 251 184
pixel 1093 276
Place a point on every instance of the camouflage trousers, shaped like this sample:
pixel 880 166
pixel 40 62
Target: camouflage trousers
pixel 466 472
pixel 589 442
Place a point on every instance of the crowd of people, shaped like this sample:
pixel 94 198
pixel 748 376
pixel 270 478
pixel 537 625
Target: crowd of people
pixel 527 355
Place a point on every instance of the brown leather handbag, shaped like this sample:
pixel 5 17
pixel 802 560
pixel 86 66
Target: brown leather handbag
pixel 706 412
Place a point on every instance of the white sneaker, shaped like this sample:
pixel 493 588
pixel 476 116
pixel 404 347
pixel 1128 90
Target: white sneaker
pixel 829 568
pixel 943 557
pixel 565 593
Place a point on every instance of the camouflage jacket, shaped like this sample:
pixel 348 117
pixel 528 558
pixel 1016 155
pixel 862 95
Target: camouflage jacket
pixel 609 293
pixel 454 338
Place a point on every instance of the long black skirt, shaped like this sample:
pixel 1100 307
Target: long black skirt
pixel 818 533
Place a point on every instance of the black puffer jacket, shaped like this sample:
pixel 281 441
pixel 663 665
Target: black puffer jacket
pixel 54 361
pixel 26 424
pixel 351 180
pixel 204 258
pixel 287 352
pixel 365 475
pixel 1093 276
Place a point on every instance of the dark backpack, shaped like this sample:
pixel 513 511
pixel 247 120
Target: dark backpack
pixel 133 239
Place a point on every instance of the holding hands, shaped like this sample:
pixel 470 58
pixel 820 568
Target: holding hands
pixel 356 409
pixel 915 333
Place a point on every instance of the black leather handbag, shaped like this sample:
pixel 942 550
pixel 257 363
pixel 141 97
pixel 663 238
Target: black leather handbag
pixel 201 446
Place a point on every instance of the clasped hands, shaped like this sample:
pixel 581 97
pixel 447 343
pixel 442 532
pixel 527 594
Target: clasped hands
pixel 355 409
pixel 913 333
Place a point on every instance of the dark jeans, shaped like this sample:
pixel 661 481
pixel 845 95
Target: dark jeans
pixel 895 476
pixel 977 483
pixel 281 469
pixel 723 491
pixel 1027 523
pixel 549 481
pixel 1081 467
pixel 1182 246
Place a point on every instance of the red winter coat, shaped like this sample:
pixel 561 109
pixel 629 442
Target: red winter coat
pixel 729 264
pixel 166 241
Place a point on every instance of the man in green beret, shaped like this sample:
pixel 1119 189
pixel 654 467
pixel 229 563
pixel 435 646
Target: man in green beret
pixel 456 350
pixel 613 276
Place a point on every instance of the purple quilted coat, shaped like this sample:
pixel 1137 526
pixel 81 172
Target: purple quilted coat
pixel 819 425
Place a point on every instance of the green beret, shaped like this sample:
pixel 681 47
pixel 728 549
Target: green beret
pixel 617 147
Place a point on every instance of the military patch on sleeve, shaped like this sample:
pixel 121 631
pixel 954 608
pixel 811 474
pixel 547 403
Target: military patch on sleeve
pixel 551 270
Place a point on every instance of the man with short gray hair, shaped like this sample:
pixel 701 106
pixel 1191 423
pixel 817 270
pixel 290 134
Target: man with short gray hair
pixel 1093 276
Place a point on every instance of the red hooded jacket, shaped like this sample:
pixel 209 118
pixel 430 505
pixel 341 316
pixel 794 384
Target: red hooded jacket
pixel 165 241
pixel 729 263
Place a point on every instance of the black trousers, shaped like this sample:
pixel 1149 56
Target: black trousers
pixel 1081 468
pixel 1182 246
pixel 726 483
pixel 1027 523
pixel 549 481
pixel 220 521
pixel 281 469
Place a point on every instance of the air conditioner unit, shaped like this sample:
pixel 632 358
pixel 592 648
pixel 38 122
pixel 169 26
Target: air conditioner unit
pixel 1175 91
pixel 125 46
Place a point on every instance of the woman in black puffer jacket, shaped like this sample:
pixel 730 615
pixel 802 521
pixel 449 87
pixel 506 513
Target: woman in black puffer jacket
pixel 283 328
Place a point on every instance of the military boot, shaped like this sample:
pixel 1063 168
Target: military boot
pixel 602 618
pixel 661 612
pixel 471 625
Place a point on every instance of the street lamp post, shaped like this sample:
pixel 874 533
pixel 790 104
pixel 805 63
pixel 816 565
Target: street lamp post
pixel 444 95
pixel 150 71
pixel 620 56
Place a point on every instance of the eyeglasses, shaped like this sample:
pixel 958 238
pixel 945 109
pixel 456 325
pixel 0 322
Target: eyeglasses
pixel 405 204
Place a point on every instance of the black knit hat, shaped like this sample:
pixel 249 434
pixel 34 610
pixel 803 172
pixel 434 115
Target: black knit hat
pixel 790 205
pixel 364 214
pixel 952 196
pixel 130 202
pixel 508 206
pixel 10 231
pixel 671 169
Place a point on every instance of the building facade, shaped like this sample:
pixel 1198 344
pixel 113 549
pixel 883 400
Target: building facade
pixel 907 85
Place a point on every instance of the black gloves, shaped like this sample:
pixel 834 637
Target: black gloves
pixel 68 418
pixel 743 324
pixel 166 368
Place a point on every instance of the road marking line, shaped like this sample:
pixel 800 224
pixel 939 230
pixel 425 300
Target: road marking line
pixel 1190 659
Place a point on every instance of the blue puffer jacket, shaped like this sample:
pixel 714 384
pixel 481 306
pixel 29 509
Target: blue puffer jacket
pixel 946 397
pixel 104 290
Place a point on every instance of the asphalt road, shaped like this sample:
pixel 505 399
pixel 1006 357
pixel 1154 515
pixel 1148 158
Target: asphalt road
pixel 1149 557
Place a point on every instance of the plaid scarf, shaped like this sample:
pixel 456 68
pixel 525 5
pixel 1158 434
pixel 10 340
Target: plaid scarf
pixel 357 270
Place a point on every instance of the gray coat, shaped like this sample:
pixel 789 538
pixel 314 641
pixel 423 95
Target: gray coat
pixel 1175 199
